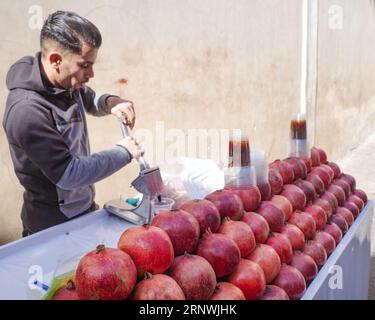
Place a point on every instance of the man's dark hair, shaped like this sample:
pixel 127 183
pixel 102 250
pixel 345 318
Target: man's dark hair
pixel 70 31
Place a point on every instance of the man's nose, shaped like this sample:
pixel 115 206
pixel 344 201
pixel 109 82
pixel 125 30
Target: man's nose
pixel 90 72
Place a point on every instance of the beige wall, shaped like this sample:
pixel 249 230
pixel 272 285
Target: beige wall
pixel 206 64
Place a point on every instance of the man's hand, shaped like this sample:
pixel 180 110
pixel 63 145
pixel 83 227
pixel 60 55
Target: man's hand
pixel 123 110
pixel 132 146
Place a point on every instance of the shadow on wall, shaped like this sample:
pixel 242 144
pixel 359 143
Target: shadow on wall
pixel 371 289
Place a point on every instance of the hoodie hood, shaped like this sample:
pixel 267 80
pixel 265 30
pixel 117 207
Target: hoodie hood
pixel 26 74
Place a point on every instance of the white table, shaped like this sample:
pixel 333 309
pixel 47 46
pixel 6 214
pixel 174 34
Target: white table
pixel 39 256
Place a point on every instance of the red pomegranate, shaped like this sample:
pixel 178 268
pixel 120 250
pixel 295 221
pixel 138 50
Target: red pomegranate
pixel 276 181
pixel 330 197
pixel 295 195
pixel 228 203
pixel 323 174
pixel 361 194
pixel 344 185
pixel 299 167
pixel 317 182
pixel 334 231
pixel 220 251
pixel 326 240
pixel 308 189
pixel 322 155
pixel 318 214
pixel 227 291
pixel 292 281
pixel 205 212
pixel 338 192
pixel 268 259
pixel 284 205
pixel 181 227
pixel 352 208
pixel 340 222
pixel 250 196
pixel 249 277
pixel 258 225
pixel 324 204
pixel 285 170
pixel 346 214
pixel 265 190
pixel 274 293
pixel 305 223
pixel 105 274
pixel 67 292
pixel 308 163
pixel 329 170
pixel 295 236
pixel 194 275
pixel 357 201
pixel 241 233
pixel 316 251
pixel 273 214
pixel 315 157
pixel 150 248
pixel 158 287
pixel 349 179
pixel 305 264
pixel 282 246
pixel 336 169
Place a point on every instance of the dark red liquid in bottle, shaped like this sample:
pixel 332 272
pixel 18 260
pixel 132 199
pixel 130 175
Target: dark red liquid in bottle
pixel 239 153
pixel 298 129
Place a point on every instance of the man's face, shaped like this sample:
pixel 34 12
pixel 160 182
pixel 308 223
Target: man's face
pixel 76 69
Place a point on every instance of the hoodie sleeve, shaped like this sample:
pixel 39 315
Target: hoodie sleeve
pixel 95 103
pixel 31 128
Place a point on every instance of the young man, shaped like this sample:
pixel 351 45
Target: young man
pixel 46 126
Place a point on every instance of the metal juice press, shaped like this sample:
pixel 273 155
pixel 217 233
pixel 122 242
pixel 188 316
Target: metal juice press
pixel 149 183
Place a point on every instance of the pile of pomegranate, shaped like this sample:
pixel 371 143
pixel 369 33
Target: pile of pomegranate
pixel 232 245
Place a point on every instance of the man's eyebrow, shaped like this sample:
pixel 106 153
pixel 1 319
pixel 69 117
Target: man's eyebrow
pixel 86 61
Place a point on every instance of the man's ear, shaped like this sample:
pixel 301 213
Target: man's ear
pixel 55 59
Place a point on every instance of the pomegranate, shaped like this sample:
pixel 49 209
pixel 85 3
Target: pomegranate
pixel 324 204
pixel 292 281
pixel 194 275
pixel 323 174
pixel 258 225
pixel 265 190
pixel 304 264
pixel 349 179
pixel 316 251
pixel 338 192
pixel 227 291
pixel 308 163
pixel 318 214
pixel 308 189
pixel 241 233
pixel 249 277
pixel 315 157
pixel 282 246
pixel 361 194
pixel 322 155
pixel 326 240
pixel 295 195
pixel 357 201
pixel 250 196
pixel 352 207
pixel 274 293
pixel 329 170
pixel 228 203
pixel 340 222
pixel 220 251
pixel 105 274
pixel 336 169
pixel 273 215
pixel 344 185
pixel 158 287
pixel 276 181
pixel 305 223
pixel 295 236
pixel 346 214
pixel 150 248
pixel 285 170
pixel 284 204
pixel 317 182
pixel 299 167
pixel 334 231
pixel 205 212
pixel 67 292
pixel 330 197
pixel 268 259
pixel 181 227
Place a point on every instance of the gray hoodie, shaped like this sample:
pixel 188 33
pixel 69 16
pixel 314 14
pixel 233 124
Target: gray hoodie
pixel 48 141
